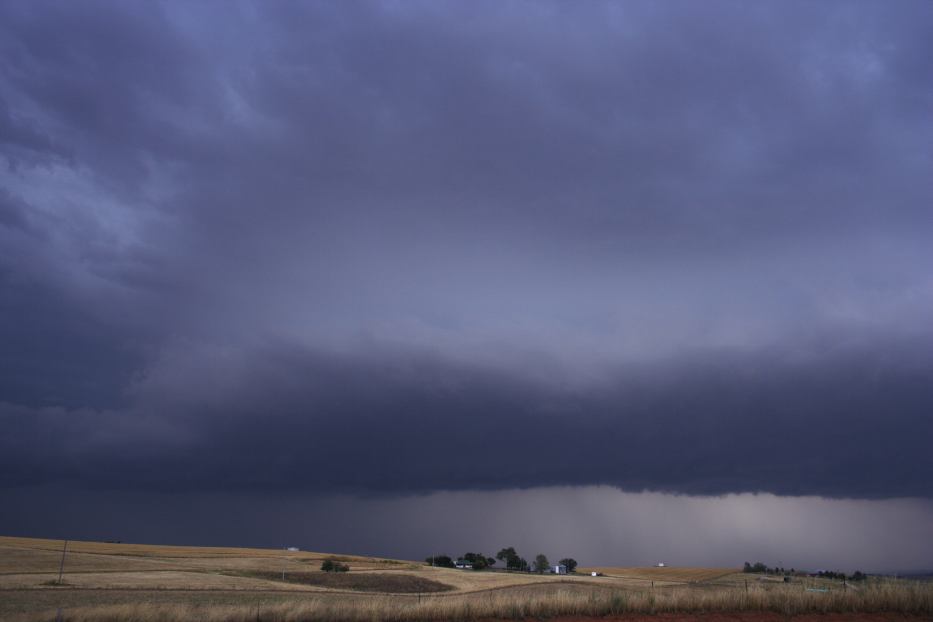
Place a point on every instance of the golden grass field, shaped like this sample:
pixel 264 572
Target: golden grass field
pixel 661 575
pixel 105 581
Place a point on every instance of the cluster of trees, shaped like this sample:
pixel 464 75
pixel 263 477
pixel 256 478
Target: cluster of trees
pixel 763 569
pixel 332 565
pixel 477 560
pixel 542 565
pixel 512 560
pixel 758 567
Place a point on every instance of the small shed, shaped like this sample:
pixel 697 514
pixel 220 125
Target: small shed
pixel 560 569
pixel 463 564
pixel 660 564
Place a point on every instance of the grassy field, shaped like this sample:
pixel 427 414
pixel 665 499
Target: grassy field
pixel 664 575
pixel 104 581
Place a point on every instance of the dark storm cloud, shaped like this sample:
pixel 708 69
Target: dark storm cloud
pixel 851 423
pixel 677 247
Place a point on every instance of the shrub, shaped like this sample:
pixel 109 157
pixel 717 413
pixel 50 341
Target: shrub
pixel 330 565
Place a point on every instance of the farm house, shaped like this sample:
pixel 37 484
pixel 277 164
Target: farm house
pixel 559 569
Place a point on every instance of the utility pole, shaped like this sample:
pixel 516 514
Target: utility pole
pixel 61 566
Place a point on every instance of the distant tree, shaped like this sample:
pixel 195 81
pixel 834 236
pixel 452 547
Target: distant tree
pixel 747 568
pixel 444 561
pixel 570 563
pixel 490 561
pixel 506 555
pixel 511 559
pixel 523 564
pixel 541 563
pixel 859 576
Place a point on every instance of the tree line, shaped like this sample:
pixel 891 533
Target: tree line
pixel 512 560
pixel 760 568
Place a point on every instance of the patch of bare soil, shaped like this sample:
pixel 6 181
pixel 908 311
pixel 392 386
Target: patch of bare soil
pixel 396 583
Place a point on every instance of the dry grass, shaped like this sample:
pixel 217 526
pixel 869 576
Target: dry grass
pixel 19 555
pixel 28 563
pixel 904 598
pixel 164 580
pixel 137 550
pixel 666 574
pixel 388 582
pixel 21 560
pixel 469 581
pixel 147 583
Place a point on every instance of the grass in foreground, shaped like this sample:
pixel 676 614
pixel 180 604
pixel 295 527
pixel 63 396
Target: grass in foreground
pixel 902 597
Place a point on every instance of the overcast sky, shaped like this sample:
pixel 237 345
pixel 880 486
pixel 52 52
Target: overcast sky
pixel 409 251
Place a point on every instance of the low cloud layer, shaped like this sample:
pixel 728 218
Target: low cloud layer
pixel 391 249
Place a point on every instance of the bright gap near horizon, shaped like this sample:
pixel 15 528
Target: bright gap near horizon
pixel 596 525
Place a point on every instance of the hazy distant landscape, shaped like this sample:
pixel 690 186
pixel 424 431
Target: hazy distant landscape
pixel 116 581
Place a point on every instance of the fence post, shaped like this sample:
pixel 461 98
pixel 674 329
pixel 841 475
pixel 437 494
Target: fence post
pixel 61 566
